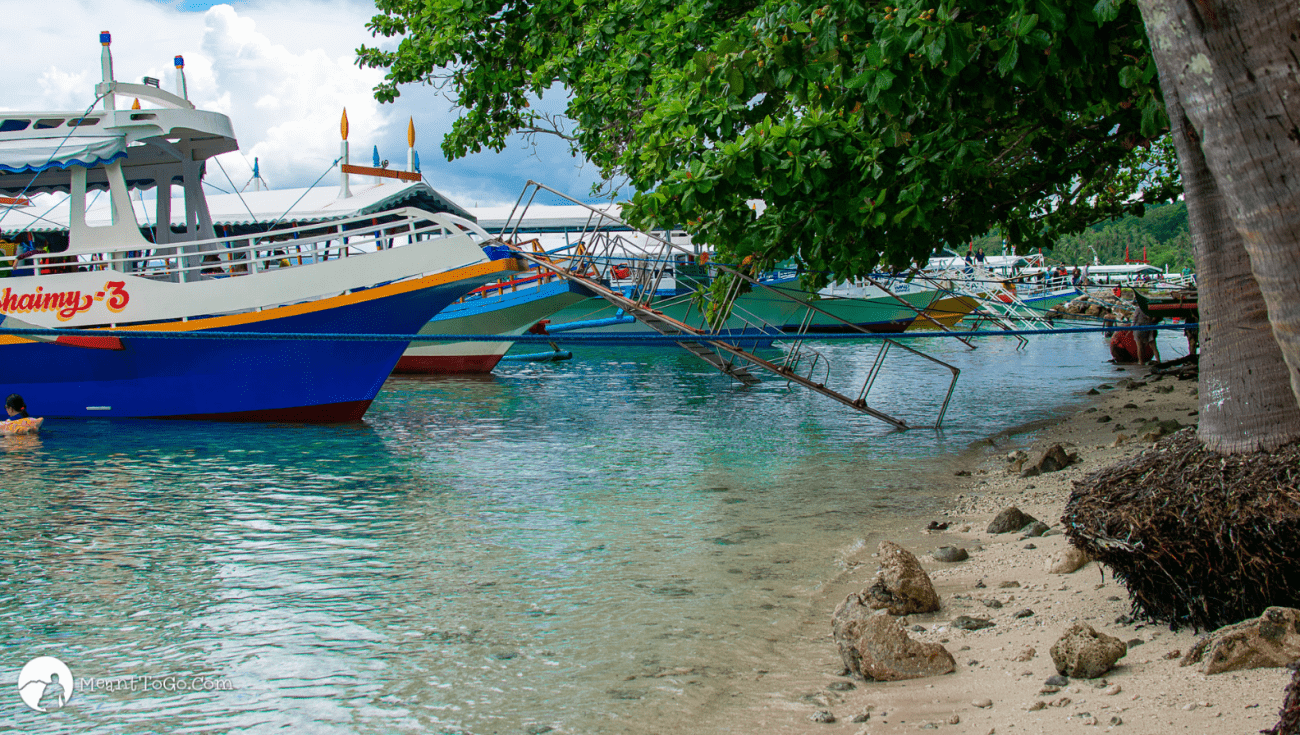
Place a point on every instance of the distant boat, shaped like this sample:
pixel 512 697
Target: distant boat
pixel 508 308
pixel 151 302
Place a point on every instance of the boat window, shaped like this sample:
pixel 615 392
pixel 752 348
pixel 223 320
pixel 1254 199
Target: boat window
pixel 13 126
pixel 143 116
pixel 83 122
pixel 48 123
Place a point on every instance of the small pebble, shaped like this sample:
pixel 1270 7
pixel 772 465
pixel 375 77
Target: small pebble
pixel 1056 680
pixel 1008 585
pixel 1111 690
pixel 1189 706
pixel 822 716
pixel 842 686
pixel 983 703
pixel 1040 704
pixel 1026 613
pixel 861 717
pixel 1172 655
pixel 1031 547
pixel 1116 721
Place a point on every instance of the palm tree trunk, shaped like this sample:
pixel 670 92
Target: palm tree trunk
pixel 1246 402
pixel 1235 66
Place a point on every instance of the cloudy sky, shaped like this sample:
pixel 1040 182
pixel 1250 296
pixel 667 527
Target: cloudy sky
pixel 283 70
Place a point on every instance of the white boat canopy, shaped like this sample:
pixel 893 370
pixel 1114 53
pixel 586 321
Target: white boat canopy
pixel 56 151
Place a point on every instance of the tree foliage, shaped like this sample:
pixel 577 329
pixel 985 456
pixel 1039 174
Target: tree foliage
pixel 871 132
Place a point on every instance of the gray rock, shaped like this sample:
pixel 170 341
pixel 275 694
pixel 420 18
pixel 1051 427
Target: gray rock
pixel 1083 653
pixel 918 628
pixel 823 716
pixel 1036 529
pixel 875 646
pixel 841 686
pixel 1010 519
pixel 995 604
pixel 966 622
pixel 1269 641
pixel 1054 459
pixel 1104 419
pixel 950 554
pixel 902 587
pixel 1030 547
pixel 1135 642
pixel 1057 680
pixel 861 717
pixel 1026 613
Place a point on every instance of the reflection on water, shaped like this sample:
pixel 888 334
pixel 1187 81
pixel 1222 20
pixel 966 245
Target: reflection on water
pixel 584 545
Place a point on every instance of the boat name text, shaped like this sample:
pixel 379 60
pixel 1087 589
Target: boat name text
pixel 65 304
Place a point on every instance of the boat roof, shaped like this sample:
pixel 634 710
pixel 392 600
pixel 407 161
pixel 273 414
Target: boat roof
pixel 545 218
pixel 301 205
pixel 39 149
pixel 990 261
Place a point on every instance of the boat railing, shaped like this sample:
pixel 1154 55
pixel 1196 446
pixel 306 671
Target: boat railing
pixel 243 255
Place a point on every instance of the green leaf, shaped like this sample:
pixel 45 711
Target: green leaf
pixel 1009 59
pixel 1026 24
pixel 858 81
pixel 1107 10
pixel 801 27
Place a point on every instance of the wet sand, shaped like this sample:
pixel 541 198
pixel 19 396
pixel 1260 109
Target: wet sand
pixel 1156 695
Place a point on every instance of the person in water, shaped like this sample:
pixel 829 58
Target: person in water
pixel 19 422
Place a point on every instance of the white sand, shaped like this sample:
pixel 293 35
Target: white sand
pixel 1156 695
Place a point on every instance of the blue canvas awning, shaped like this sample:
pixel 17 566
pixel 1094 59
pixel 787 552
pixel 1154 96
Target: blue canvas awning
pixel 40 154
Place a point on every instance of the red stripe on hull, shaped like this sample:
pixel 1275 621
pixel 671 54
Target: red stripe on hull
pixel 325 413
pixel 445 364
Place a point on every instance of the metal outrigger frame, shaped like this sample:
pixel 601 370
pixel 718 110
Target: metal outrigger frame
pixel 593 262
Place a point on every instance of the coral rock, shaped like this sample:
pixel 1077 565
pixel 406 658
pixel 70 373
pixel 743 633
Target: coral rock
pixel 875 646
pixel 902 587
pixel 1083 653
pixel 1270 641
pixel 1067 561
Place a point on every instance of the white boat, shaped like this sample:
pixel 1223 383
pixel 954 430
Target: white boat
pixel 276 325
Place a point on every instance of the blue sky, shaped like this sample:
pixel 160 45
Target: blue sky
pixel 283 70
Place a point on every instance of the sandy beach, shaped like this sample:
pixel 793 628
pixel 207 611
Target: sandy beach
pixel 999 684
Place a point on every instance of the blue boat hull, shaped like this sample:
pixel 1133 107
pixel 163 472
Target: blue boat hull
pixel 233 379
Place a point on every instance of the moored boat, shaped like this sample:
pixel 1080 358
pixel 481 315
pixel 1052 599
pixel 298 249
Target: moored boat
pixel 508 308
pixel 305 296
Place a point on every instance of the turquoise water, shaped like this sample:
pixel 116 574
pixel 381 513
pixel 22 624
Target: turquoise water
pixel 493 554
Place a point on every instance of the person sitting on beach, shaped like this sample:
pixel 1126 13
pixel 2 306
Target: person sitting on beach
pixel 19 422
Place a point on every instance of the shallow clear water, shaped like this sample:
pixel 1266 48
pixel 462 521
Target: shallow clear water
pixel 484 554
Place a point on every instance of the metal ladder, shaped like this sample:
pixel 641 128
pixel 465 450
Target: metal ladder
pixel 601 253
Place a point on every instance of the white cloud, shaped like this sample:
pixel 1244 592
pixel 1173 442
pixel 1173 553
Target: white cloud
pixel 283 71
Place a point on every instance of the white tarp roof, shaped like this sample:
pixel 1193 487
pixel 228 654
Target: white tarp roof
pixel 49 212
pixel 21 155
pixel 544 217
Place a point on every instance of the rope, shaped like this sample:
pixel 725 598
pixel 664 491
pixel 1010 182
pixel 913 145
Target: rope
pixel 576 338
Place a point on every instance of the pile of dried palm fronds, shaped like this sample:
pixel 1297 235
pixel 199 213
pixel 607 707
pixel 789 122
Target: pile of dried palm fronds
pixel 1199 538
pixel 1288 722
